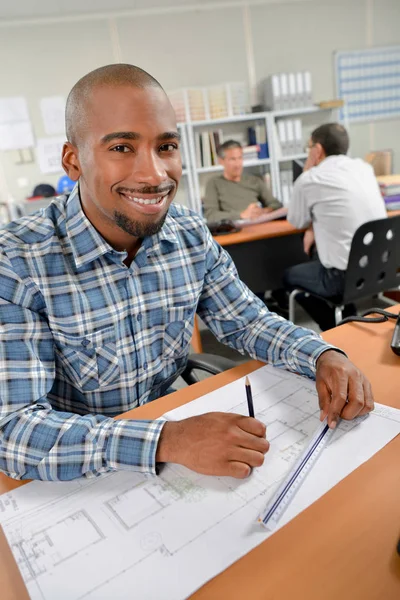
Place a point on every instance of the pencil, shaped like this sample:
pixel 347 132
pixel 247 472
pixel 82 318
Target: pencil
pixel 249 397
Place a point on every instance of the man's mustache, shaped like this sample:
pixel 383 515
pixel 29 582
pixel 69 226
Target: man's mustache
pixel 151 190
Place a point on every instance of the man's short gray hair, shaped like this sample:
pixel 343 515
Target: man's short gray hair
pixel 226 146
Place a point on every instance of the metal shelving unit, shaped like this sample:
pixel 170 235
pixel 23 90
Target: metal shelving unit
pixel 274 161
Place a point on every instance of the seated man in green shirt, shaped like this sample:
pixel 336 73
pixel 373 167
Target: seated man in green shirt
pixel 235 195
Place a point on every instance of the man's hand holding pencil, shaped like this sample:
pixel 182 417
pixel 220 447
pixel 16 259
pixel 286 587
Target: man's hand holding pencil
pixel 215 444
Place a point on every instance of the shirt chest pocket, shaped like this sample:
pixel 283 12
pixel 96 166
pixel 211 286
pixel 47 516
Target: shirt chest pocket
pixel 91 361
pixel 178 332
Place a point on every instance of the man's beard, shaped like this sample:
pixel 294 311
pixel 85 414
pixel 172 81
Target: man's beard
pixel 137 229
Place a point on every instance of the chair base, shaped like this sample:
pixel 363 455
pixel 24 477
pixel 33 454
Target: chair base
pixel 292 305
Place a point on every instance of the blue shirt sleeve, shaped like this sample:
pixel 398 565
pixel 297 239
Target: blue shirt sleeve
pixel 37 442
pixel 242 321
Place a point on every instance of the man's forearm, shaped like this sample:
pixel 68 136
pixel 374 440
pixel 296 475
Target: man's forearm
pixel 64 446
pixel 213 215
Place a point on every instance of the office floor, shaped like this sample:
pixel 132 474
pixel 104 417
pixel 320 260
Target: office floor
pixel 212 346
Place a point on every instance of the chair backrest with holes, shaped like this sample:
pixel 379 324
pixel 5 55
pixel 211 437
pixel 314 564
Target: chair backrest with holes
pixel 374 261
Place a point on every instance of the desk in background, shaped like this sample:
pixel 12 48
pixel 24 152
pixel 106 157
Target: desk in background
pixel 261 253
pixel 342 546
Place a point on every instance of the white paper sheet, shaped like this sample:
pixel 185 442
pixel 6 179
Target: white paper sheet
pixel 49 154
pixel 271 216
pixel 127 536
pixel 16 136
pixel 53 114
pixel 13 110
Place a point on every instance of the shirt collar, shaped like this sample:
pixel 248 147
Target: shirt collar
pixel 86 242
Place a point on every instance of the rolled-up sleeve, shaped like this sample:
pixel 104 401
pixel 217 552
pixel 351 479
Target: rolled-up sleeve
pixel 37 442
pixel 242 321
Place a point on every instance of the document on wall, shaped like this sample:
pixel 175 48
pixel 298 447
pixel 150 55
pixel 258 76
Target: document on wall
pixel 124 535
pixel 15 126
pixel 53 114
pixel 49 154
pixel 13 109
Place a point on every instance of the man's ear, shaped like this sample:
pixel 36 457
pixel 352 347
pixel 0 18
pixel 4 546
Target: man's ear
pixel 70 161
pixel 320 152
pixel 221 161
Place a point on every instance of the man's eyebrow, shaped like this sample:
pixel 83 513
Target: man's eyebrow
pixel 120 135
pixel 169 135
pixel 132 135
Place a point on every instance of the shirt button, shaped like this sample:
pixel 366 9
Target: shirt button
pixel 139 317
pixel 145 366
pixel 85 343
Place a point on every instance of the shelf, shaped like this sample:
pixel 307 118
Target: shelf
pixel 292 157
pixel 236 119
pixel 300 110
pixel 249 163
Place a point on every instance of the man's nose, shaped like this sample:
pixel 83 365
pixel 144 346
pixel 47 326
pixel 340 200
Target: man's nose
pixel 149 168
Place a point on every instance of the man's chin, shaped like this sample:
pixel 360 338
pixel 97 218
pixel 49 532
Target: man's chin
pixel 140 228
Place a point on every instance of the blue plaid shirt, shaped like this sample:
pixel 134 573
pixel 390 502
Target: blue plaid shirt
pixel 83 337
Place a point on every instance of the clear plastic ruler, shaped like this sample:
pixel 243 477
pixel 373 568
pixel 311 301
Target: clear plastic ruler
pixel 287 490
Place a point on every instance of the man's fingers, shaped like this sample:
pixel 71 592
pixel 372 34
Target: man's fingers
pixel 355 397
pixel 324 398
pixel 253 426
pixel 253 442
pixel 368 397
pixel 339 398
pixel 249 457
pixel 238 469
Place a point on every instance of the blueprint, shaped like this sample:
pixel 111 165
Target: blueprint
pixel 125 535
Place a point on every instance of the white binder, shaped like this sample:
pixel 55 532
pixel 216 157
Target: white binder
pixel 292 91
pixel 290 136
pixel 284 88
pixel 307 88
pixel 298 137
pixel 282 135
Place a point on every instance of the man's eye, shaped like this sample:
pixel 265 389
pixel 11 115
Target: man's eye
pixel 120 148
pixel 168 147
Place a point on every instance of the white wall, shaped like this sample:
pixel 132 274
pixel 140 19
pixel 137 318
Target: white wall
pixel 204 46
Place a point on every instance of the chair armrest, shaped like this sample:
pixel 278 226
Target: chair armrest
pixel 209 363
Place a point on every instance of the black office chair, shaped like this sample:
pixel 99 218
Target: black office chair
pixel 374 266
pixel 207 363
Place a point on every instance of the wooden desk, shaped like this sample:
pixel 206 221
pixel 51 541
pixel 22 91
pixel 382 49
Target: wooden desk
pixel 252 233
pixel 261 253
pixel 343 546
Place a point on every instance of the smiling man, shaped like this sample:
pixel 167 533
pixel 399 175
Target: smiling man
pixel 97 300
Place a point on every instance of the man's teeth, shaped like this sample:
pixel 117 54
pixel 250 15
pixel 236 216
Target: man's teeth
pixel 144 201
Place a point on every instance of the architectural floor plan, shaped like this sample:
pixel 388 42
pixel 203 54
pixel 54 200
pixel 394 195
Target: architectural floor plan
pixel 124 535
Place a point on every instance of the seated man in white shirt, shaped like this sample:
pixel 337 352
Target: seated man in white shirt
pixel 333 197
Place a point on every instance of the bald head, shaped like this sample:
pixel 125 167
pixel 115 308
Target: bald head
pixel 82 93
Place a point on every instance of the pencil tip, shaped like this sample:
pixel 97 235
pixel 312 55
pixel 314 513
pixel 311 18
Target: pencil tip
pixel 246 381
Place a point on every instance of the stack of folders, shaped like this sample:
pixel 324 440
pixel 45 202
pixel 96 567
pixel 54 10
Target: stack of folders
pixel 390 189
pixel 214 102
pixel 250 153
pixel 289 137
pixel 286 177
pixel 284 91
